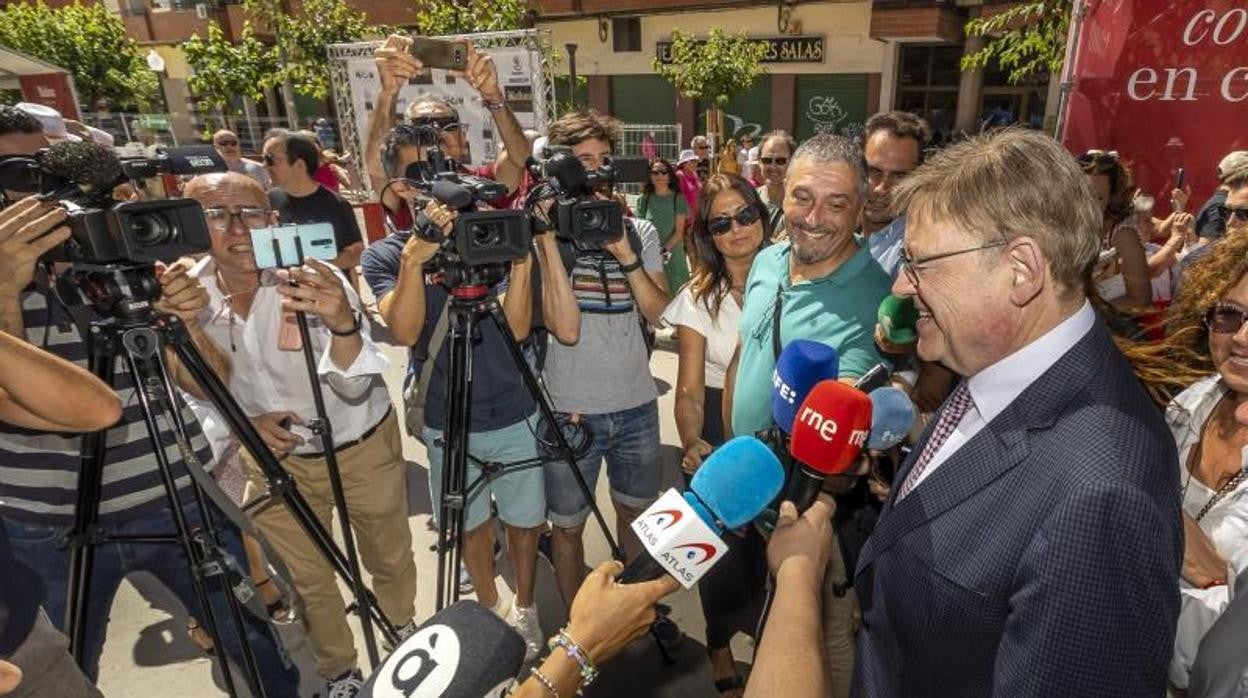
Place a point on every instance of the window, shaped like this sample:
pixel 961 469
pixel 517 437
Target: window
pixel 626 34
pixel 927 84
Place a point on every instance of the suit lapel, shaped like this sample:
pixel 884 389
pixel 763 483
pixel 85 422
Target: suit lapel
pixel 992 452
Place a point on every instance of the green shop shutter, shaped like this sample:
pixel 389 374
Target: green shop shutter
pixel 748 112
pixel 833 103
pixel 643 99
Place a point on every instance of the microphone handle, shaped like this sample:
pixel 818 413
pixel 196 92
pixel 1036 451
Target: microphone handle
pixel 643 569
pixel 803 487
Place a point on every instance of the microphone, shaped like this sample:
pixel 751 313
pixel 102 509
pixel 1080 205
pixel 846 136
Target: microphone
pixel 681 532
pixel 801 365
pixel 831 428
pixel 892 417
pixel 89 165
pixel 897 317
pixel 462 651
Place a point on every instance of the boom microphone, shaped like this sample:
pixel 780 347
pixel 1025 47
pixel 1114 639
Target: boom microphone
pixel 681 533
pixel 90 166
pixel 831 428
pixel 462 651
pixel 801 365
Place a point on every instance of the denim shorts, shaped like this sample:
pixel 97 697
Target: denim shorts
pixel 520 494
pixel 629 442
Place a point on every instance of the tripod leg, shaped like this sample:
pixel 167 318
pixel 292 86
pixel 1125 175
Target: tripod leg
pixel 455 451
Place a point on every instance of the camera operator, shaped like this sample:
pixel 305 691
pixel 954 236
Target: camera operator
pixel 250 312
pixel 39 391
pixel 603 380
pixel 39 475
pixel 395 66
pixel 411 301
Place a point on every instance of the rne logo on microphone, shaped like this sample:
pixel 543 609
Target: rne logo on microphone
pixel 661 518
pixel 824 425
pixel 858 437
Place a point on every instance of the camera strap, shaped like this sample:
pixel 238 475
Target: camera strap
pixel 415 395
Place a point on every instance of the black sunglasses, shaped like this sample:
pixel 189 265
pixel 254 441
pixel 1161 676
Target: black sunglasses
pixel 446 124
pixel 1225 318
pixel 1099 156
pixel 227 144
pixel 774 161
pixel 659 171
pixel 1235 213
pixel 722 224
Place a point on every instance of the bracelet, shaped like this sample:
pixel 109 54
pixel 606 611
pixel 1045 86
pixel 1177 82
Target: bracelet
pixel 355 327
pixel 550 685
pixel 494 106
pixel 589 672
pixel 629 268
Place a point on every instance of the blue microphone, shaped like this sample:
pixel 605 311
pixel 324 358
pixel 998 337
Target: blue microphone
pixel 732 487
pixel 801 365
pixel 893 416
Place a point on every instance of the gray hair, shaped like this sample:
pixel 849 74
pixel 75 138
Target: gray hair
pixel 1008 184
pixel 827 149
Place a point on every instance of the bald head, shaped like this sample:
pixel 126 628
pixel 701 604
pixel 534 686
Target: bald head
pixel 226 143
pixel 228 188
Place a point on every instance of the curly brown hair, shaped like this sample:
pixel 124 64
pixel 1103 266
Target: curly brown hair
pixel 1173 364
pixel 1121 186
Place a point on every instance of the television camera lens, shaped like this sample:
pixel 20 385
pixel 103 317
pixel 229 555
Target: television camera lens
pixel 152 228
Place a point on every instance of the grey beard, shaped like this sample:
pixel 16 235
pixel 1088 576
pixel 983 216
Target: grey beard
pixel 807 256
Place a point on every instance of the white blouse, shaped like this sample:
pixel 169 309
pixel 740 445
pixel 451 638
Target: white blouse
pixel 720 332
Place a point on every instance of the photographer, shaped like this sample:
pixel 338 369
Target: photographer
pixel 412 299
pixel 39 476
pixel 395 67
pixel 602 380
pixel 250 312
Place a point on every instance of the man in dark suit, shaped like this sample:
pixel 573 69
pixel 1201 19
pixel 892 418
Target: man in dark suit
pixel 1031 544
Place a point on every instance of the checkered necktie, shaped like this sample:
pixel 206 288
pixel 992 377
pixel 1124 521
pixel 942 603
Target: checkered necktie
pixel 955 408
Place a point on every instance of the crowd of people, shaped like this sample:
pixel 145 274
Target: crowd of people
pixel 1066 517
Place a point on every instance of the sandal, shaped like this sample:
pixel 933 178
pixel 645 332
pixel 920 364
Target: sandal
pixel 281 611
pixel 731 683
pixel 200 637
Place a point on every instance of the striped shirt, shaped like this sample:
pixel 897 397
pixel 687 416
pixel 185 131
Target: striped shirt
pixel 39 470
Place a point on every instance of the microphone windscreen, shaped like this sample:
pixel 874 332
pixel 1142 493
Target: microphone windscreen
pixel 738 480
pixel 90 165
pixel 892 417
pixel 453 195
pixel 462 651
pixel 897 317
pixel 801 365
pixel 831 427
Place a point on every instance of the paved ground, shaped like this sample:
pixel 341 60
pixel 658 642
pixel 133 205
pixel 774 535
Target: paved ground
pixel 148 652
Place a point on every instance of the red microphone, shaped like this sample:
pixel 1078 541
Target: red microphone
pixel 830 430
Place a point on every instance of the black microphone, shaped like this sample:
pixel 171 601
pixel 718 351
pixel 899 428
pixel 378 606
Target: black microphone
pixel 462 651
pixel 94 168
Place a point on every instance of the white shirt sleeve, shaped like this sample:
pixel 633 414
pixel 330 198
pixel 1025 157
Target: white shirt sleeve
pixel 683 312
pixel 354 381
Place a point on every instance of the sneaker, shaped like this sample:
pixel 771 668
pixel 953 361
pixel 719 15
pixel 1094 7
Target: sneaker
pixel 404 632
pixel 525 620
pixel 347 685
pixel 465 581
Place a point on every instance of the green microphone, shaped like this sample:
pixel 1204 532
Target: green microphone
pixel 897 317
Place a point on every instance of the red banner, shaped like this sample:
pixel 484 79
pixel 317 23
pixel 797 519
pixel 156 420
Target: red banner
pixel 52 90
pixel 1165 83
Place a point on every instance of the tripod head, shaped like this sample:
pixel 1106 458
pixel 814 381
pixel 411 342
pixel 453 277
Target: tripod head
pixel 118 290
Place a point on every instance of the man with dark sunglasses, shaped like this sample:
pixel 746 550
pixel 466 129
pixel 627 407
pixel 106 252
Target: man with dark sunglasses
pixel 1211 220
pixel 228 146
pixel 774 152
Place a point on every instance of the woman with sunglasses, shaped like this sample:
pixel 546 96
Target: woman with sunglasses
pixel 662 204
pixel 728 231
pixel 1122 278
pixel 1207 334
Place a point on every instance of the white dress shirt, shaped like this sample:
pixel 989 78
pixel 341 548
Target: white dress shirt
pixel 266 379
pixel 995 387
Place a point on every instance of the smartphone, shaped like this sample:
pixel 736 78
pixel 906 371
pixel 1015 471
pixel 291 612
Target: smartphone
pixel 438 53
pixel 1178 178
pixel 288 245
pixel 877 377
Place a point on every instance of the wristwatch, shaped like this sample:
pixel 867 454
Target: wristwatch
pixel 355 326
pixel 628 268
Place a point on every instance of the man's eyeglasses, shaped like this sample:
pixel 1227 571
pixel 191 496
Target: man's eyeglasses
pixel 1225 318
pixel 220 218
pixel 720 225
pixel 1235 213
pixel 227 144
pixel 774 161
pixel 1099 157
pixel 445 124
pixel 910 265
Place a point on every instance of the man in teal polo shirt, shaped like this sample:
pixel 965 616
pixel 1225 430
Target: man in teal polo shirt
pixel 823 282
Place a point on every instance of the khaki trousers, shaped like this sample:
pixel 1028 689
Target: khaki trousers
pixel 839 641
pixel 375 487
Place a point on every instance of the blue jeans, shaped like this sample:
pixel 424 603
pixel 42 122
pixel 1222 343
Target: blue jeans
pixel 43 549
pixel 628 441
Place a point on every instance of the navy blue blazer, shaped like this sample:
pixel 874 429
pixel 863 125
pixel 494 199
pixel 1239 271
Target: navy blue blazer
pixel 1042 558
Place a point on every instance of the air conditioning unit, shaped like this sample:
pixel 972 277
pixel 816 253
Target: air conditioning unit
pixel 201 10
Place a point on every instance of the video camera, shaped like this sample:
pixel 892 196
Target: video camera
pixel 579 215
pixel 81 176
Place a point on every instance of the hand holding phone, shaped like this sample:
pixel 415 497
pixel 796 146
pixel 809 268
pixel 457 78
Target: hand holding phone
pixel 439 53
pixel 288 245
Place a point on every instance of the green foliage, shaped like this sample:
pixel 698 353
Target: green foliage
pixel 1025 40
pixel 88 41
pixel 301 40
pixel 715 69
pixel 437 17
pixel 224 69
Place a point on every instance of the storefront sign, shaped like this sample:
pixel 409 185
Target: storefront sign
pixel 780 49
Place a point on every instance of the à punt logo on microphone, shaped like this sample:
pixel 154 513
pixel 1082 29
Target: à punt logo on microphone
pixel 695 553
pixel 666 518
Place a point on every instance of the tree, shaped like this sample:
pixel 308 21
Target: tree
pixel 713 69
pixel 1024 40
pixel 88 41
pixel 437 17
pixel 224 69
